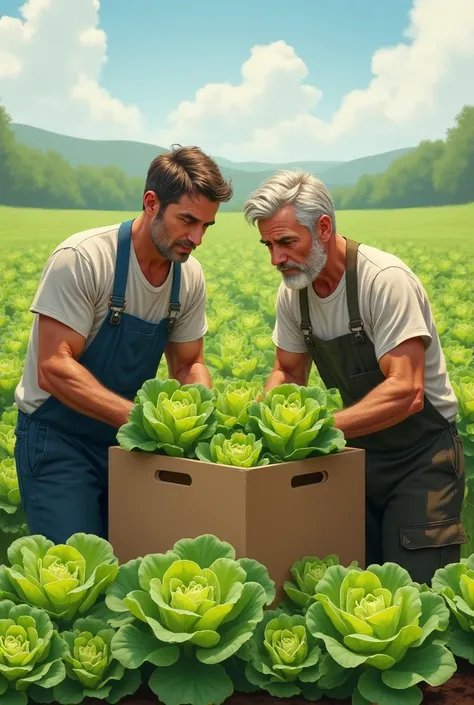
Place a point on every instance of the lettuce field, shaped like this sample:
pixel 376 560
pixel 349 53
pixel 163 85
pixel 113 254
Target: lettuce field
pixel 241 290
pixel 93 643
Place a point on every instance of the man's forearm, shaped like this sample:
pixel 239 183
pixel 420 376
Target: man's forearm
pixel 196 373
pixel 73 385
pixel 385 406
pixel 279 376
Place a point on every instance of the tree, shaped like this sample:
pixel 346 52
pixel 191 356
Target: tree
pixel 453 174
pixel 7 157
pixel 408 182
pixel 435 173
pixel 33 178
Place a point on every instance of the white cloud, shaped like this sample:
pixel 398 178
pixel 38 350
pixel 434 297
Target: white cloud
pixel 50 64
pixel 272 91
pixel 50 76
pixel 417 88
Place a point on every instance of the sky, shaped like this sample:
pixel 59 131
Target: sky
pixel 260 80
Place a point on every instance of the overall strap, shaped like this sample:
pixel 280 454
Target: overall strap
pixel 356 325
pixel 174 305
pixel 305 324
pixel 117 302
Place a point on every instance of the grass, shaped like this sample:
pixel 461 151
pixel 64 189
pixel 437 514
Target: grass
pixel 444 227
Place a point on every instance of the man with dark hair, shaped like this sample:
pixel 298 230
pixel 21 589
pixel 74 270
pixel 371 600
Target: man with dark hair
pixel 110 302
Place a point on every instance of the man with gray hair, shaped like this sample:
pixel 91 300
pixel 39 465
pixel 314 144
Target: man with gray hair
pixel 364 319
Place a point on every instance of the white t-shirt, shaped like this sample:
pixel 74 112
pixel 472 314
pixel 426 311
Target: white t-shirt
pixel 75 288
pixel 393 306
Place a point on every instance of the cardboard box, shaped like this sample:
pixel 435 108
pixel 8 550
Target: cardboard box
pixel 276 514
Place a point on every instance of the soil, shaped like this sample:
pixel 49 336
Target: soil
pixel 457 691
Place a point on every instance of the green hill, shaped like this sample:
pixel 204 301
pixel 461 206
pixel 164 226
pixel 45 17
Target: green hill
pixel 313 167
pixel 134 158
pixel 349 173
pixel 43 169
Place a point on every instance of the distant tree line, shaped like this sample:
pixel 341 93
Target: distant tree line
pixel 435 173
pixel 36 179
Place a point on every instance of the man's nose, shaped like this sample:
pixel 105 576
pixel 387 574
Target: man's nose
pixel 278 256
pixel 195 235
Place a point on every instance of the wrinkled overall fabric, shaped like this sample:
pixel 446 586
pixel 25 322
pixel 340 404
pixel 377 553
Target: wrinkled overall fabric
pixel 62 455
pixel 415 475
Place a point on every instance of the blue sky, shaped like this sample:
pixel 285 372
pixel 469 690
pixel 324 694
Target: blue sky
pixel 183 45
pixel 159 54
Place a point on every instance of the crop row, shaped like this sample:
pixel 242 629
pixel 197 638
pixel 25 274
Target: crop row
pixel 241 310
pixel 197 623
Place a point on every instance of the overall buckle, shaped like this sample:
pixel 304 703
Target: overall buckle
pixel 307 332
pixel 116 311
pixel 173 311
pixel 357 327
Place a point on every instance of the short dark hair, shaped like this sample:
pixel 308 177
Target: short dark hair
pixel 186 171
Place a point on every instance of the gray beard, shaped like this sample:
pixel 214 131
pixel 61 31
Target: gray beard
pixel 308 271
pixel 163 244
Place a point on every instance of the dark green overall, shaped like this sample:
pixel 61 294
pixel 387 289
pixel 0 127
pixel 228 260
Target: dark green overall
pixel 414 469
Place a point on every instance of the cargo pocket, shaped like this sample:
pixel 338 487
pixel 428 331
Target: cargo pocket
pixel 430 546
pixel 432 534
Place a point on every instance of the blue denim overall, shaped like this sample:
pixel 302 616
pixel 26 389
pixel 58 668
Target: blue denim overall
pixel 62 455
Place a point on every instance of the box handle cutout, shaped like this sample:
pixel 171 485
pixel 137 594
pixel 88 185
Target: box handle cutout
pixel 174 478
pixel 312 478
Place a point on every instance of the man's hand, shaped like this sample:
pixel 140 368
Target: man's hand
pixel 63 377
pixel 186 363
pixel 289 368
pixel 398 397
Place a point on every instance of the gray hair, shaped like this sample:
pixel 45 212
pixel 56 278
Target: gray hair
pixel 307 194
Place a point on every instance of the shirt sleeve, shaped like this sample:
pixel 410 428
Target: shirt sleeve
pixel 67 291
pixel 191 323
pixel 399 310
pixel 287 335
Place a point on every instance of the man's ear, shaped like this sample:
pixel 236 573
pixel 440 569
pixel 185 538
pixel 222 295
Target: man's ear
pixel 324 229
pixel 151 203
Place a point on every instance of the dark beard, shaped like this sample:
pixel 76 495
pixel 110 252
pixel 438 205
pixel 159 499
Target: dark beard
pixel 164 244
